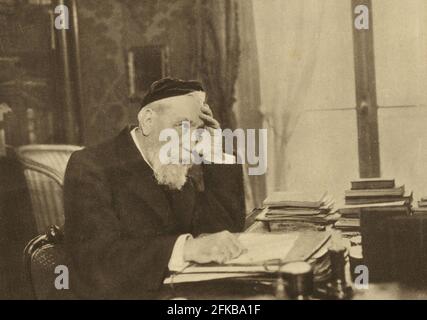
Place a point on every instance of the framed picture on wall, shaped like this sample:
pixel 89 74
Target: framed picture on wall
pixel 145 65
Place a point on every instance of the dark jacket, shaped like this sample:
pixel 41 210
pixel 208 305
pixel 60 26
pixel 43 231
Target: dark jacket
pixel 121 226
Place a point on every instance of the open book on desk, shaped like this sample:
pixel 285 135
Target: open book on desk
pixel 265 253
pixel 263 248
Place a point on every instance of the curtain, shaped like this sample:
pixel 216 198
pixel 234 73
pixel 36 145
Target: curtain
pixel 219 52
pixel 248 97
pixel 288 41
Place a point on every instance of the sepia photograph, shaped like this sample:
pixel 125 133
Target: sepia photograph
pixel 213 150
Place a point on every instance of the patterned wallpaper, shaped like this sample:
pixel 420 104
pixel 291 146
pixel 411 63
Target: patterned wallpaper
pixel 108 28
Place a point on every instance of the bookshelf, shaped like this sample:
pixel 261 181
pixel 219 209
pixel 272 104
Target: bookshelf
pixel 38 80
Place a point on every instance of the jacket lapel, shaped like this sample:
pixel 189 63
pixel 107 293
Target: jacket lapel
pixel 139 176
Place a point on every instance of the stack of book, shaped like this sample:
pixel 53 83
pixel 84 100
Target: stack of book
pixel 369 195
pixel 284 210
pixel 422 206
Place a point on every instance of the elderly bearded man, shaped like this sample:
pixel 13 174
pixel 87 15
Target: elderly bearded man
pixel 130 219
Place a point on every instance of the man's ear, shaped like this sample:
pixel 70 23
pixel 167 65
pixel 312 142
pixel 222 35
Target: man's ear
pixel 145 119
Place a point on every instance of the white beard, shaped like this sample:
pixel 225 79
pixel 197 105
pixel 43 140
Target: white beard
pixel 172 175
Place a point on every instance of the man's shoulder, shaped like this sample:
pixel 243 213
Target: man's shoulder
pixel 101 152
pixel 104 155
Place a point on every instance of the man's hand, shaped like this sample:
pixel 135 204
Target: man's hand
pixel 207 116
pixel 217 247
pixel 210 144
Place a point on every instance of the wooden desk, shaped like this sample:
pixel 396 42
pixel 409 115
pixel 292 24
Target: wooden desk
pixel 241 289
pixel 234 290
pixel 391 291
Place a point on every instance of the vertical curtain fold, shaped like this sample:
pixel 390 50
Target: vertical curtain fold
pixel 219 46
pixel 248 96
pixel 288 38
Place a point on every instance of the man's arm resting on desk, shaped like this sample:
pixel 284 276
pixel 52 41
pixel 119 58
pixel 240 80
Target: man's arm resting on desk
pixel 217 247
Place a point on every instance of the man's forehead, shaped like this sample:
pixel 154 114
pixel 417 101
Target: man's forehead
pixel 199 95
pixel 185 107
pixel 193 101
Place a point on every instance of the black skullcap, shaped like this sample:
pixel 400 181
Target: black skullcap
pixel 170 87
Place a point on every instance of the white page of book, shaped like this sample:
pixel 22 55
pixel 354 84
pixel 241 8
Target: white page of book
pixel 264 247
